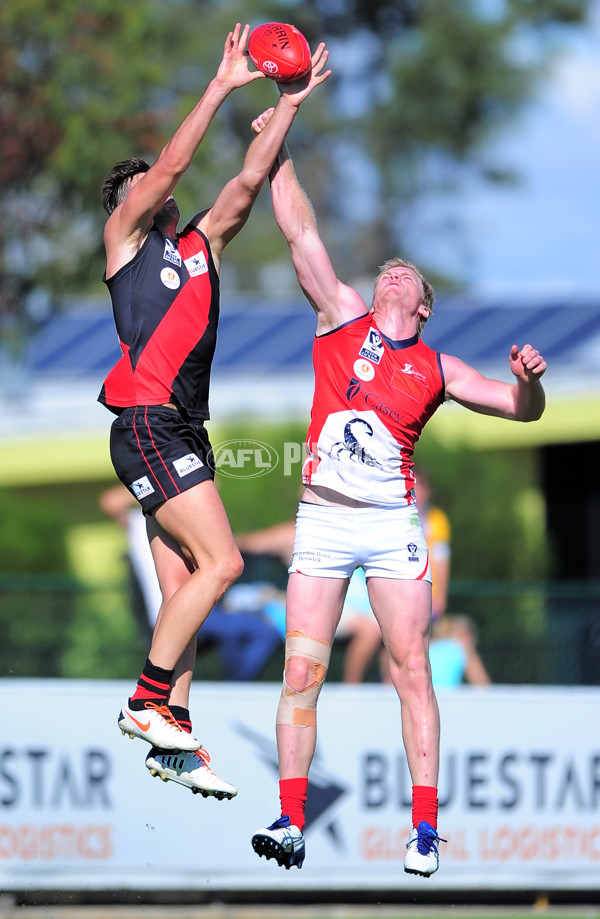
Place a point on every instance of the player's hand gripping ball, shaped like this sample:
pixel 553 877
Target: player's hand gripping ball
pixel 280 51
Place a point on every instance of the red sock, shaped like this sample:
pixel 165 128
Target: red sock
pixel 424 805
pixel 154 684
pixel 292 794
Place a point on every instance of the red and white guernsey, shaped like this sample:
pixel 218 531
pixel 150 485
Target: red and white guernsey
pixel 373 397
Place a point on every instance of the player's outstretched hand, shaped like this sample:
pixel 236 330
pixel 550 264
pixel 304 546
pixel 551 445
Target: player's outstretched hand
pixel 233 70
pixel 527 364
pixel 298 90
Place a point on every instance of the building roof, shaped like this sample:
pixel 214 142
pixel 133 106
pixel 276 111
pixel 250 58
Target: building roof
pixel 277 339
pixel 263 370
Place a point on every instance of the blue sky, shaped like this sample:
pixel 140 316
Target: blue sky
pixel 541 237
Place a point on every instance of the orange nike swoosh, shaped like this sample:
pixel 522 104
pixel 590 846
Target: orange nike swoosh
pixel 142 727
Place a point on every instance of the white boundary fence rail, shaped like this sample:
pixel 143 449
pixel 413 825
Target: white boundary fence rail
pixel 519 789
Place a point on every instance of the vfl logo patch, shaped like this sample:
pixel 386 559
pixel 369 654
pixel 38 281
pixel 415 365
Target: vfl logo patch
pixel 372 347
pixel 186 464
pixel 170 278
pixel 196 264
pixel 412 552
pixel 142 488
pixel 171 254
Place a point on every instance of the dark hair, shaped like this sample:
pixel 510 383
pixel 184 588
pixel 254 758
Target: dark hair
pixel 115 185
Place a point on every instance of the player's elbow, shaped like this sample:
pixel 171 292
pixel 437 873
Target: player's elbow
pixel 251 179
pixel 532 412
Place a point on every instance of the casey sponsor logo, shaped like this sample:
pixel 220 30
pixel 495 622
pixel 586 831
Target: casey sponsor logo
pixel 371 399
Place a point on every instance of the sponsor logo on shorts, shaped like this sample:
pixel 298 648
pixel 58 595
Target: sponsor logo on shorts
pixel 315 557
pixel 372 347
pixel 196 264
pixel 186 464
pixel 412 552
pixel 171 254
pixel 170 278
pixel 364 370
pixel 142 488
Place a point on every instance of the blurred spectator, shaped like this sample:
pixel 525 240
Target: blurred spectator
pixel 436 529
pixel 239 626
pixel 453 653
pixel 146 597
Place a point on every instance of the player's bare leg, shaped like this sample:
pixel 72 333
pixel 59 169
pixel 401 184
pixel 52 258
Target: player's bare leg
pixel 192 579
pixel 314 607
pixel 403 610
pixel 197 521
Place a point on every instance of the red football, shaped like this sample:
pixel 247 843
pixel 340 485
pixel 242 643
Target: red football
pixel 280 51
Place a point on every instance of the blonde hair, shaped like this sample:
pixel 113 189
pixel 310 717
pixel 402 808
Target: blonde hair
pixel 427 292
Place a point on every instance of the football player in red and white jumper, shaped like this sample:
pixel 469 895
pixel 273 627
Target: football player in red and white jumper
pixel 376 386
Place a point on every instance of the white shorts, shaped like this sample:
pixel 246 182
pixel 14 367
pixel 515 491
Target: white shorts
pixel 387 542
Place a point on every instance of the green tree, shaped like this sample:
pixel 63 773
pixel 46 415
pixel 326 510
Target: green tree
pixel 422 87
pixel 79 85
pixel 418 85
pixel 36 603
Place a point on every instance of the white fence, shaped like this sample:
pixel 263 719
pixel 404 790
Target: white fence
pixel 519 789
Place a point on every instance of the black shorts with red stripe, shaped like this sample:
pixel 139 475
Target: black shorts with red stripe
pixel 159 452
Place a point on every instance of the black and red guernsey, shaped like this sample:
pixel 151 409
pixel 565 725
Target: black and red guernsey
pixel 166 309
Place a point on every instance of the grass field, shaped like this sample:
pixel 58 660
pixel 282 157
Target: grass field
pixel 222 911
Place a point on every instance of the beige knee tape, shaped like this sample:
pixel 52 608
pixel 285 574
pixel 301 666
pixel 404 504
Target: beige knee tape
pixel 299 707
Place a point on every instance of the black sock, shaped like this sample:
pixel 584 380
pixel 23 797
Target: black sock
pixel 153 685
pixel 182 717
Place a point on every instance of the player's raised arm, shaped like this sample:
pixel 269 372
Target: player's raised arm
pixel 232 207
pixel 333 301
pixel 524 400
pixel 150 190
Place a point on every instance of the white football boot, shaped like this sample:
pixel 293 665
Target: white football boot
pixel 422 850
pixel 282 841
pixel 191 770
pixel 156 725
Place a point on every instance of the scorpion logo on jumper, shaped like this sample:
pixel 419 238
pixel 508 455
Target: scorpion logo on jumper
pixel 352 444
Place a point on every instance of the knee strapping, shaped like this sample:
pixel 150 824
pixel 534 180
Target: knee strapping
pixel 299 706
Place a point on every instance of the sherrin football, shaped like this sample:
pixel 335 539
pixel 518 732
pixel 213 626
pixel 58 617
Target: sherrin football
pixel 280 51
